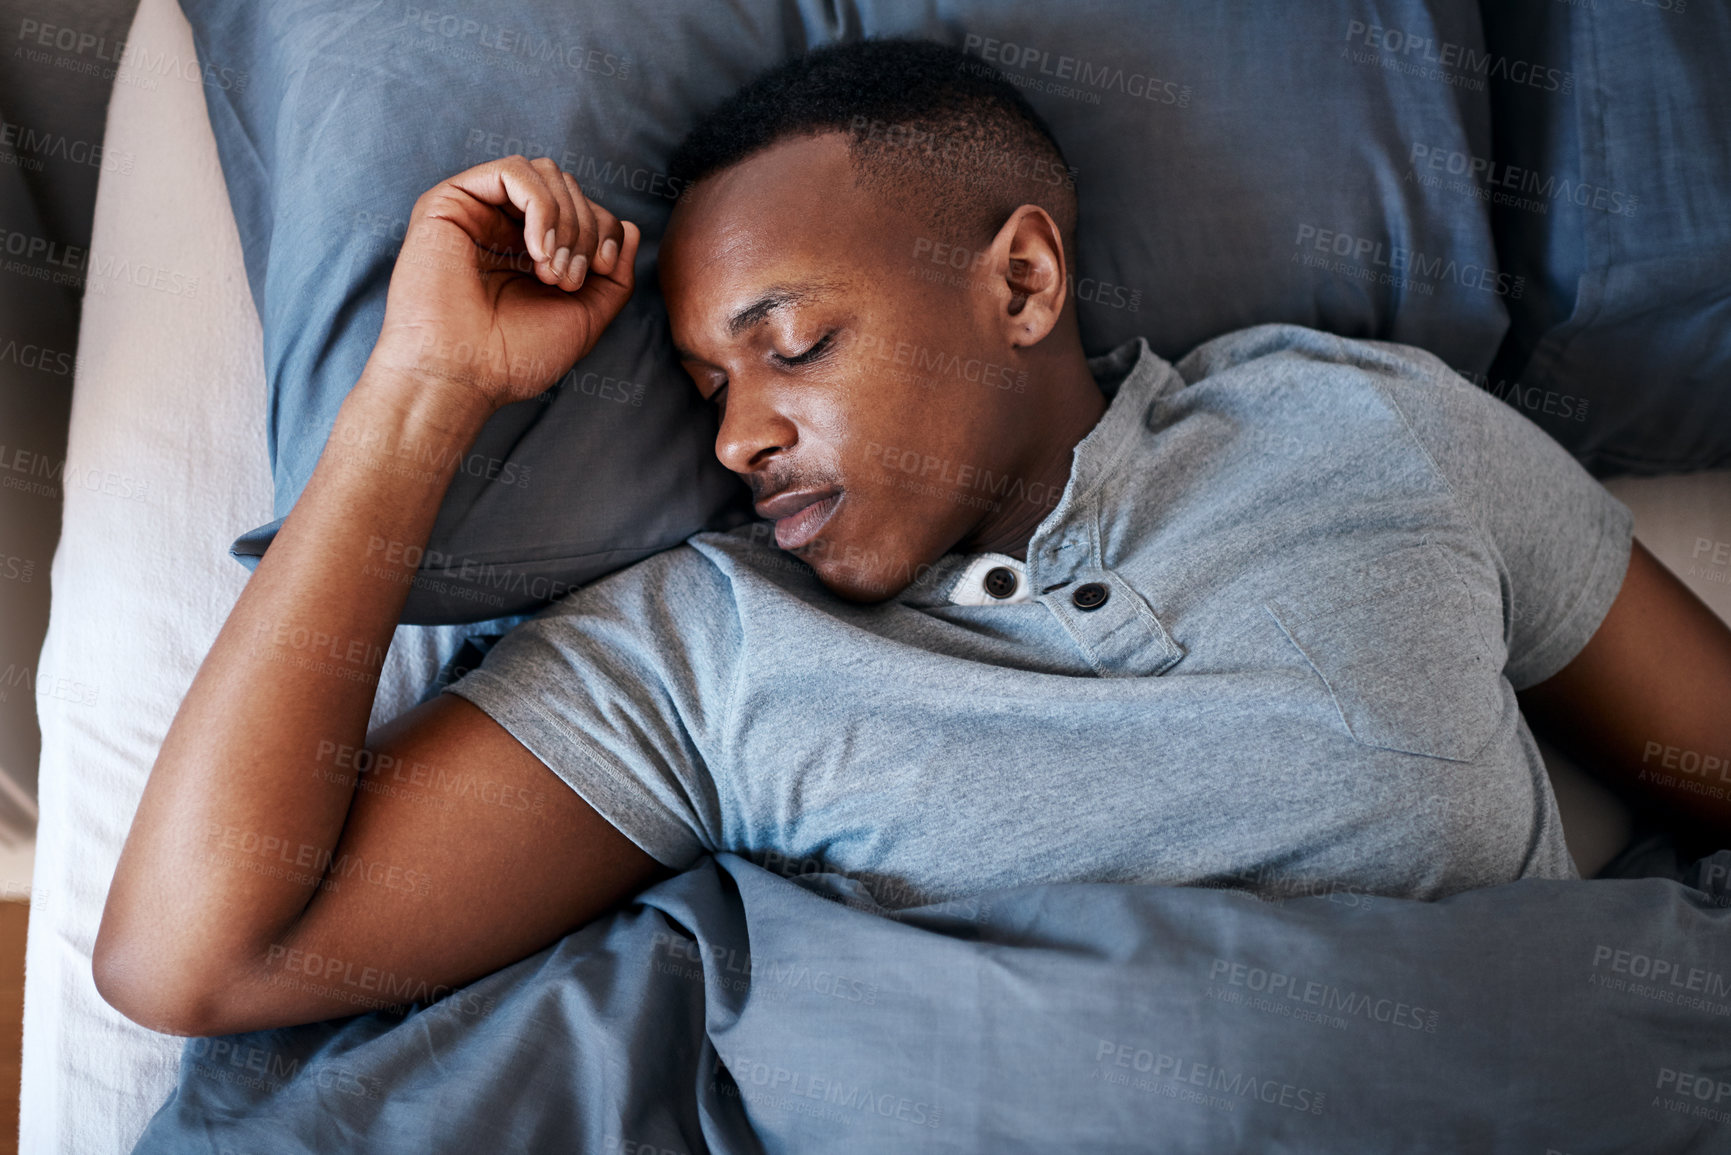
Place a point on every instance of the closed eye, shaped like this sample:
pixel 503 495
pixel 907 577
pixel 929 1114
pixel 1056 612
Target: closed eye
pixel 812 354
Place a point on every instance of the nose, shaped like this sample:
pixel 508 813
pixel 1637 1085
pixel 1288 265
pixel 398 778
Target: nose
pixel 753 430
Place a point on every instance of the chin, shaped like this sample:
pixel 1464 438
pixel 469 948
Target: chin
pixel 851 585
pixel 863 573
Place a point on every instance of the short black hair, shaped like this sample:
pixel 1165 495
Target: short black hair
pixel 931 127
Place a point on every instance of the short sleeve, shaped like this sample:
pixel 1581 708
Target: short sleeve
pixel 1562 540
pixel 621 688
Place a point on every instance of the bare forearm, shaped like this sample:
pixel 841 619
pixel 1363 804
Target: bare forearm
pixel 1647 703
pixel 1682 769
pixel 246 799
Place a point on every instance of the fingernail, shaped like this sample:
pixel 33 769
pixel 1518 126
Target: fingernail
pixel 609 250
pixel 547 245
pixel 579 266
pixel 560 259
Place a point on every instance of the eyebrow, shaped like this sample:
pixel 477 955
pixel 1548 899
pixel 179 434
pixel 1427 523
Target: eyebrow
pixel 777 297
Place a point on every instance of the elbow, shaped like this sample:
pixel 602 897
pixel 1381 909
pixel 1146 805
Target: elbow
pixel 155 989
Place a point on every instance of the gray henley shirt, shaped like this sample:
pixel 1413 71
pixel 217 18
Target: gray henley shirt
pixel 1327 566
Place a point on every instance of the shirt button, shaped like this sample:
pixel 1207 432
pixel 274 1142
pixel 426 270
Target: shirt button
pixel 1090 596
pixel 1000 581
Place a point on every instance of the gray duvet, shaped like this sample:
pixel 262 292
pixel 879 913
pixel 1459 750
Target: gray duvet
pixel 730 1009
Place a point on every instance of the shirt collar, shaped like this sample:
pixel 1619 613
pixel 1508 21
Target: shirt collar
pixel 1133 377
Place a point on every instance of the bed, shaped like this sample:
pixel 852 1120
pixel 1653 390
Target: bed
pixel 169 400
pixel 169 403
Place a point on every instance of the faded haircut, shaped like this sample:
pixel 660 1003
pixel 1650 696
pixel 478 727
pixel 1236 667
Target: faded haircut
pixel 933 130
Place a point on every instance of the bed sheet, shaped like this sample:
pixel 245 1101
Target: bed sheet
pixel 168 417
pixel 736 1011
pixel 168 412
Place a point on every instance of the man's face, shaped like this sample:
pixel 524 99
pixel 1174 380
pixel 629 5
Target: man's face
pixel 868 393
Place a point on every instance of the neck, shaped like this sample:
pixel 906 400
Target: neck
pixel 1068 406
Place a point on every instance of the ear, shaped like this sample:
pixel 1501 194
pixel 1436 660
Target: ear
pixel 1028 256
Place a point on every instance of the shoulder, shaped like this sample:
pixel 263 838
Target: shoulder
pixel 747 558
pixel 1297 349
pixel 657 594
pixel 719 573
pixel 1326 372
pixel 711 571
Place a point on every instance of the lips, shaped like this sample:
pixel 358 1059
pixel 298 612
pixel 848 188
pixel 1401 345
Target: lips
pixel 799 515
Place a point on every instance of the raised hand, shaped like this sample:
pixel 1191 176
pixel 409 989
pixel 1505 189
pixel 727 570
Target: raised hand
pixel 508 275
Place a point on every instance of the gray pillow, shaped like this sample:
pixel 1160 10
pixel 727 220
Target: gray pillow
pixel 1611 194
pixel 1233 169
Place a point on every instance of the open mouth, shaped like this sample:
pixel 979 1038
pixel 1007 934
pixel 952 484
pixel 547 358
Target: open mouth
pixel 798 528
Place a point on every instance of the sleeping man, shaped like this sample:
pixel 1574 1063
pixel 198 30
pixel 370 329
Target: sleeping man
pixel 1267 617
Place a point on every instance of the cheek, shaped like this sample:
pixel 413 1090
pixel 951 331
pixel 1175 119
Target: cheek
pixel 911 500
pixel 909 460
pixel 909 346
pixel 913 418
pixel 913 398
pixel 935 449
